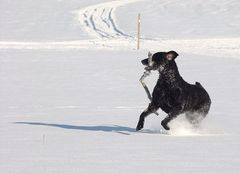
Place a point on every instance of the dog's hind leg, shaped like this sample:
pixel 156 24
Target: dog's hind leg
pixel 151 109
pixel 195 117
pixel 173 114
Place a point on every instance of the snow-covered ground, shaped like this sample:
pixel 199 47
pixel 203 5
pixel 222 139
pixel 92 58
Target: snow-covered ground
pixel 70 95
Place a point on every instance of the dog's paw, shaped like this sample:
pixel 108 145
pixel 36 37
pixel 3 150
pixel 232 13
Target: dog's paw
pixel 164 125
pixel 140 125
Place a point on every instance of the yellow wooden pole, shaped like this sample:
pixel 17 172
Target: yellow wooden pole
pixel 138 33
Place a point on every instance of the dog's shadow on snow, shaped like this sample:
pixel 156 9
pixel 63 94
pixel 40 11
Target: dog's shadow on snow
pixel 111 128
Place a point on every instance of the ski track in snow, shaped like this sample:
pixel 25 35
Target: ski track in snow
pixel 100 23
pixel 99 20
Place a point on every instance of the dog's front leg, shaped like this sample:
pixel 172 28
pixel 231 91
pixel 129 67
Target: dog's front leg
pixel 141 120
pixel 151 109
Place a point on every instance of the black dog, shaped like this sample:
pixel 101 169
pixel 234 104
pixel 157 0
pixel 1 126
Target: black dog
pixel 174 95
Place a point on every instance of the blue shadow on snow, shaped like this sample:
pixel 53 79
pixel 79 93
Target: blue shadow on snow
pixel 113 128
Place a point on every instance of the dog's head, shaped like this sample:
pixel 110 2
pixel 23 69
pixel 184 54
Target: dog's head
pixel 159 60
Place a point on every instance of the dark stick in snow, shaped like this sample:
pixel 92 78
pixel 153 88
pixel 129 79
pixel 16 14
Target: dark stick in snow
pixel 145 74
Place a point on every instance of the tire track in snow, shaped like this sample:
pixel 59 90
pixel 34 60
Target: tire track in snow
pixel 99 20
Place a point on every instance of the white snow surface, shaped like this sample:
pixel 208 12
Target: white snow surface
pixel 70 95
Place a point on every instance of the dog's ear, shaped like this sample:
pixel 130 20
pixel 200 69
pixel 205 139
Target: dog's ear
pixel 171 55
pixel 150 62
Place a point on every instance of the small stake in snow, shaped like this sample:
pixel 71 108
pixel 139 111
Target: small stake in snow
pixel 138 34
pixel 43 139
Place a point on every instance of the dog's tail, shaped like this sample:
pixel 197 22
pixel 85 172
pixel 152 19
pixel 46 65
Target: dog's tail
pixel 198 84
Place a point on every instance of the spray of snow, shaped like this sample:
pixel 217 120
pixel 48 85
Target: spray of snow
pixel 182 127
